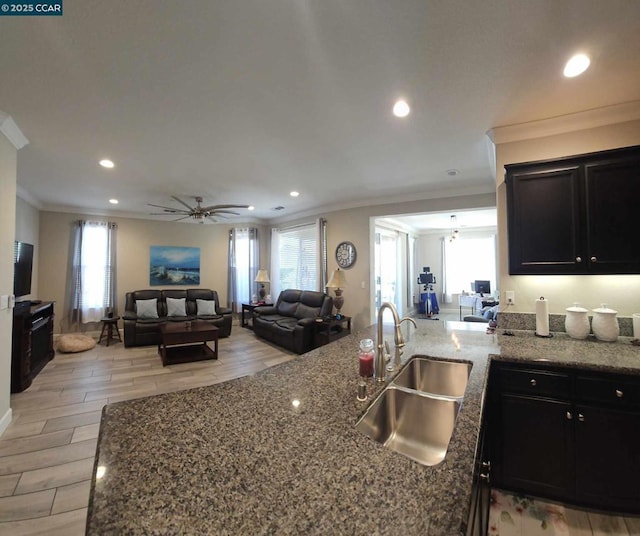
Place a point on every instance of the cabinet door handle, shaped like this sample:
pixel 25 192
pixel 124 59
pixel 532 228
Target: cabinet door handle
pixel 580 417
pixel 485 477
pixel 569 415
pixel 533 382
pixel 486 465
pixel 578 259
pixel 619 393
pixel 594 259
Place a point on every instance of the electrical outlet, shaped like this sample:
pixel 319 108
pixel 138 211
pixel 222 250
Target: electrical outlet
pixel 510 296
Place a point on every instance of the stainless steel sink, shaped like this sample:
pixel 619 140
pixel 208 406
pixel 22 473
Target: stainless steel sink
pixel 447 378
pixel 411 423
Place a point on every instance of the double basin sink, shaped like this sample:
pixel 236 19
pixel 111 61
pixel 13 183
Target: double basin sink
pixel 416 413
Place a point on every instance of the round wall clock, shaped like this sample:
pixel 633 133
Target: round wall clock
pixel 346 254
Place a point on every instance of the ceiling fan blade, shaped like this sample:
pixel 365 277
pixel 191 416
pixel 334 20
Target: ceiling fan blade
pixel 172 209
pixel 213 220
pixel 183 218
pixel 164 213
pixel 191 209
pixel 214 208
pixel 224 212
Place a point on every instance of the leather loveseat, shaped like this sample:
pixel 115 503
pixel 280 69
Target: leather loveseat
pixel 141 328
pixel 290 322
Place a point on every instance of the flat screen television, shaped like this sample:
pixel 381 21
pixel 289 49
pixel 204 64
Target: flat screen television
pixel 22 267
pixel 482 287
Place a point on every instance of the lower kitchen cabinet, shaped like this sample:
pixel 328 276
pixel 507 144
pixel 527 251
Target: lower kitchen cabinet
pixel 566 435
pixel 608 457
pixel 537 444
pixel 477 524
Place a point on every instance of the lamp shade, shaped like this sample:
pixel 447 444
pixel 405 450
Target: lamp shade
pixel 262 277
pixel 338 280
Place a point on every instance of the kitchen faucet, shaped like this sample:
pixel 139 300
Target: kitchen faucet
pixel 379 369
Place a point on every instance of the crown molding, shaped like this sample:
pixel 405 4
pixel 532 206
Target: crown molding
pixel 597 117
pixel 27 196
pixel 12 131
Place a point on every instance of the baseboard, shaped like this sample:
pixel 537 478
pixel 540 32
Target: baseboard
pixel 5 421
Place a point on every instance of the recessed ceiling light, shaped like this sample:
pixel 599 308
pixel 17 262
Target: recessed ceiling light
pixel 113 201
pixel 452 172
pixel 251 207
pixel 401 108
pixel 294 194
pixel 107 163
pixel 578 64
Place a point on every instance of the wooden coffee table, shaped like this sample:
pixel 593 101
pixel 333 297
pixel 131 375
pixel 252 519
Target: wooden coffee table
pixel 179 342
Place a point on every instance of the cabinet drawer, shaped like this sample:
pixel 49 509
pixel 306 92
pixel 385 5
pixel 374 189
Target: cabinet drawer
pixel 535 382
pixel 613 390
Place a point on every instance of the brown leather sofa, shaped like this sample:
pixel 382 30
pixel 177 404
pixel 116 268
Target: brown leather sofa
pixel 143 331
pixel 290 322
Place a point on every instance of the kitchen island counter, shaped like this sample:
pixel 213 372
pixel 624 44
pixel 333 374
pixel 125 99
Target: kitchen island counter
pixel 278 452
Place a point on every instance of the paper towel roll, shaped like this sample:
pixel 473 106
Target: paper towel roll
pixel 542 317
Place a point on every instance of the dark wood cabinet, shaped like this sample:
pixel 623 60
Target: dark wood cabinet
pixel 536 450
pixel 478 520
pixel 575 215
pixel 32 343
pixel 566 435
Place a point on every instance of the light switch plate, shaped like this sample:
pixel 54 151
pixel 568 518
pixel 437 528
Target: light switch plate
pixel 510 297
pixel 12 301
pixel 4 301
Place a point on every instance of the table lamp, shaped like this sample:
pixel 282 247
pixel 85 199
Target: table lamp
pixel 337 282
pixel 262 278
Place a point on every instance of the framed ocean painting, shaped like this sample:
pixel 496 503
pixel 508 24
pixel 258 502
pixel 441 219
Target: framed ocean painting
pixel 171 265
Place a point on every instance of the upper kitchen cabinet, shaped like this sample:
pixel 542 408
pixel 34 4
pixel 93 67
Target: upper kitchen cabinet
pixel 577 215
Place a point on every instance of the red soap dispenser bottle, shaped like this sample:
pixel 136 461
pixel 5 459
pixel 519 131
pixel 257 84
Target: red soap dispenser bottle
pixel 365 358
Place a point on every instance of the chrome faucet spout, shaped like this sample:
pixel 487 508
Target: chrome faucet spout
pixel 379 369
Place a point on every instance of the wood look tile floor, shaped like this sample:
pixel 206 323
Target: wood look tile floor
pixel 47 452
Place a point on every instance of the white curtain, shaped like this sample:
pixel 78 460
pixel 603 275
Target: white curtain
pixel 243 266
pixel 91 285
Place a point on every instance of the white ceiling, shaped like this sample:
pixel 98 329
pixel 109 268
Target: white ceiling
pixel 243 101
pixel 486 219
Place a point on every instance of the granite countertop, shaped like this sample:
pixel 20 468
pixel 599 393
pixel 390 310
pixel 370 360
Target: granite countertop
pixel 239 457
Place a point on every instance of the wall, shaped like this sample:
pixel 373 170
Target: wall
pixel 357 225
pixel 430 254
pixel 620 292
pixel 8 166
pixel 134 238
pixel 28 230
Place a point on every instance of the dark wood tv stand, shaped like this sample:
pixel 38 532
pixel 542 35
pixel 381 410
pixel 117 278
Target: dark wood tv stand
pixel 32 346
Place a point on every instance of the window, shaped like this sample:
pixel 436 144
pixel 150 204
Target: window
pixel 298 258
pixel 243 266
pixel 91 286
pixel 468 259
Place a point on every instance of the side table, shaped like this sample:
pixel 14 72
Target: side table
pixel 331 329
pixel 249 307
pixel 108 325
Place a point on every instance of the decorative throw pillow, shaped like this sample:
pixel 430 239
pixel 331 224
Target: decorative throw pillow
pixel 176 307
pixel 147 308
pixel 206 307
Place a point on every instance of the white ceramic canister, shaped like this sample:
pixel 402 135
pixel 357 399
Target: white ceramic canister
pixel 605 324
pixel 576 322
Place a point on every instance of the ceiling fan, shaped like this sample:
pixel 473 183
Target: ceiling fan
pixel 198 213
